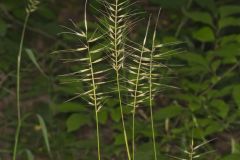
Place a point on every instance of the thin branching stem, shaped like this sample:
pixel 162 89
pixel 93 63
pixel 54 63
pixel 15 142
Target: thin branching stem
pixel 19 123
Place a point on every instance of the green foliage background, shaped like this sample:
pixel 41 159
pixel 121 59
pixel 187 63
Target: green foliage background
pixel 205 107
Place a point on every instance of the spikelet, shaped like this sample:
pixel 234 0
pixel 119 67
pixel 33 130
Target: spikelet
pixel 91 75
pixel 32 6
pixel 143 66
pixel 118 21
pixel 192 152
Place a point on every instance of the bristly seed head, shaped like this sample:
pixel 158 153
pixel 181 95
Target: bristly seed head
pixel 32 6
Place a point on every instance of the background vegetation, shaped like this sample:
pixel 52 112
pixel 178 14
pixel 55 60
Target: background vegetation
pixel 204 108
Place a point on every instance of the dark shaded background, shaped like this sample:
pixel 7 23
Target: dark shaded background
pixel 205 107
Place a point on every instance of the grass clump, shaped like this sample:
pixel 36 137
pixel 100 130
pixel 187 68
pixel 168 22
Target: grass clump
pixel 130 69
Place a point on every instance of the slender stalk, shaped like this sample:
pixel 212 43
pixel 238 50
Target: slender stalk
pixel 122 116
pixel 19 123
pixel 117 67
pixel 95 104
pixel 94 87
pixel 191 151
pixel 151 106
pixel 150 88
pixel 98 137
pixel 136 90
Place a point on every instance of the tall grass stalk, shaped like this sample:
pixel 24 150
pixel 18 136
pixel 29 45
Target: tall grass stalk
pixel 117 21
pixel 19 122
pixel 138 76
pixel 32 6
pixel 151 88
pixel 94 86
pixel 90 75
pixel 117 27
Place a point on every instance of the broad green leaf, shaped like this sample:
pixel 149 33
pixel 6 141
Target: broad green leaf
pixel 221 108
pixel 193 86
pixel 228 22
pixel 119 139
pixel 194 106
pixel 76 120
pixel 221 92
pixel 115 114
pixel 34 60
pixel 213 127
pixel 197 133
pixel 204 34
pixel 69 107
pixel 169 39
pixel 235 146
pixel 143 152
pixel 236 95
pixel 202 17
pixel 215 65
pixel 230 39
pixel 46 12
pixel 170 3
pixel 228 10
pixel 231 157
pixel 194 59
pixel 228 51
pixel 168 112
pixel 29 154
pixel 103 116
pixel 187 97
pixel 210 4
pixel 44 133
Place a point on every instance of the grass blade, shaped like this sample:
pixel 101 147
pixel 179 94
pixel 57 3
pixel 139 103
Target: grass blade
pixel 29 154
pixel 44 133
pixel 34 60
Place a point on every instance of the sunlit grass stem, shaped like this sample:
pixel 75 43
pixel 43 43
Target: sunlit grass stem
pixel 95 104
pixel 94 87
pixel 19 58
pixel 31 7
pixel 151 88
pixel 136 90
pixel 117 67
pixel 122 116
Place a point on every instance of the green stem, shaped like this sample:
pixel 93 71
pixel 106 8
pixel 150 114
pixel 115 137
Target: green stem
pixel 150 87
pixel 93 85
pixel 117 67
pixel 136 90
pixel 17 134
pixel 95 103
pixel 122 117
pixel 151 110
pixel 96 108
pixel 98 137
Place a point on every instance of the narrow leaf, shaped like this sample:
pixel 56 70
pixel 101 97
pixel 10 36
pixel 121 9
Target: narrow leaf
pixel 44 133
pixel 29 154
pixel 34 60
